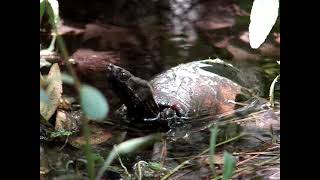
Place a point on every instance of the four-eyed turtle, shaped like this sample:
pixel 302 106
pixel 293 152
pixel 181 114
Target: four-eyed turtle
pixel 207 87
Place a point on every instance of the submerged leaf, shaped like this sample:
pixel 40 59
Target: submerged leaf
pixel 93 103
pixel 263 16
pixel 53 91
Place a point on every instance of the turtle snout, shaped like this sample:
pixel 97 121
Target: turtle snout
pixel 110 67
pixel 118 73
pixel 111 70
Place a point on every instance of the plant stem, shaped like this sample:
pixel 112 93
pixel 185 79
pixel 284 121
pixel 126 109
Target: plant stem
pixel 88 151
pixel 86 129
pixel 65 55
pixel 77 85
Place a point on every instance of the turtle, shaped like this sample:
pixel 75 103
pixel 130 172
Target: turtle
pixel 199 88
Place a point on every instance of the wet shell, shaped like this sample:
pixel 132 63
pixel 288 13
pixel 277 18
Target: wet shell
pixel 195 90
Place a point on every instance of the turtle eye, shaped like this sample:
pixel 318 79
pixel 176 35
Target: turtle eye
pixel 123 76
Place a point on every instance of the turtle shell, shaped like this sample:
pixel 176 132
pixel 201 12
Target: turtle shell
pixel 207 87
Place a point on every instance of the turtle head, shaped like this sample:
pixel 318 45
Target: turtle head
pixel 134 92
pixel 118 74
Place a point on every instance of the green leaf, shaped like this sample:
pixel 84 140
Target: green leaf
pixel 53 90
pixel 213 138
pixel 229 165
pixel 93 103
pixel 127 147
pixel 155 166
pixel 42 8
pixel 264 14
pixel 53 12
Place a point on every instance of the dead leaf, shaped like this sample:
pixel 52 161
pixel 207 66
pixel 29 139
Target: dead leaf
pixel 62 122
pixel 66 103
pixel 53 91
pixel 218 159
pixel 99 135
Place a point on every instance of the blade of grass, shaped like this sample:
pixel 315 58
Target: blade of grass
pixel 213 138
pixel 228 166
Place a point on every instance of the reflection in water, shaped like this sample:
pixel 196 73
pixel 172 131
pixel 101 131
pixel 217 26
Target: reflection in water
pixel 183 14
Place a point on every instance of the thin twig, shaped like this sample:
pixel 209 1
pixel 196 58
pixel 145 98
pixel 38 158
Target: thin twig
pixel 258 153
pixel 65 143
pixel 246 160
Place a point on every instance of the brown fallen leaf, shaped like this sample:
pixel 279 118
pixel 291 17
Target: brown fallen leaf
pixel 66 103
pixel 218 159
pixel 99 135
pixel 61 121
